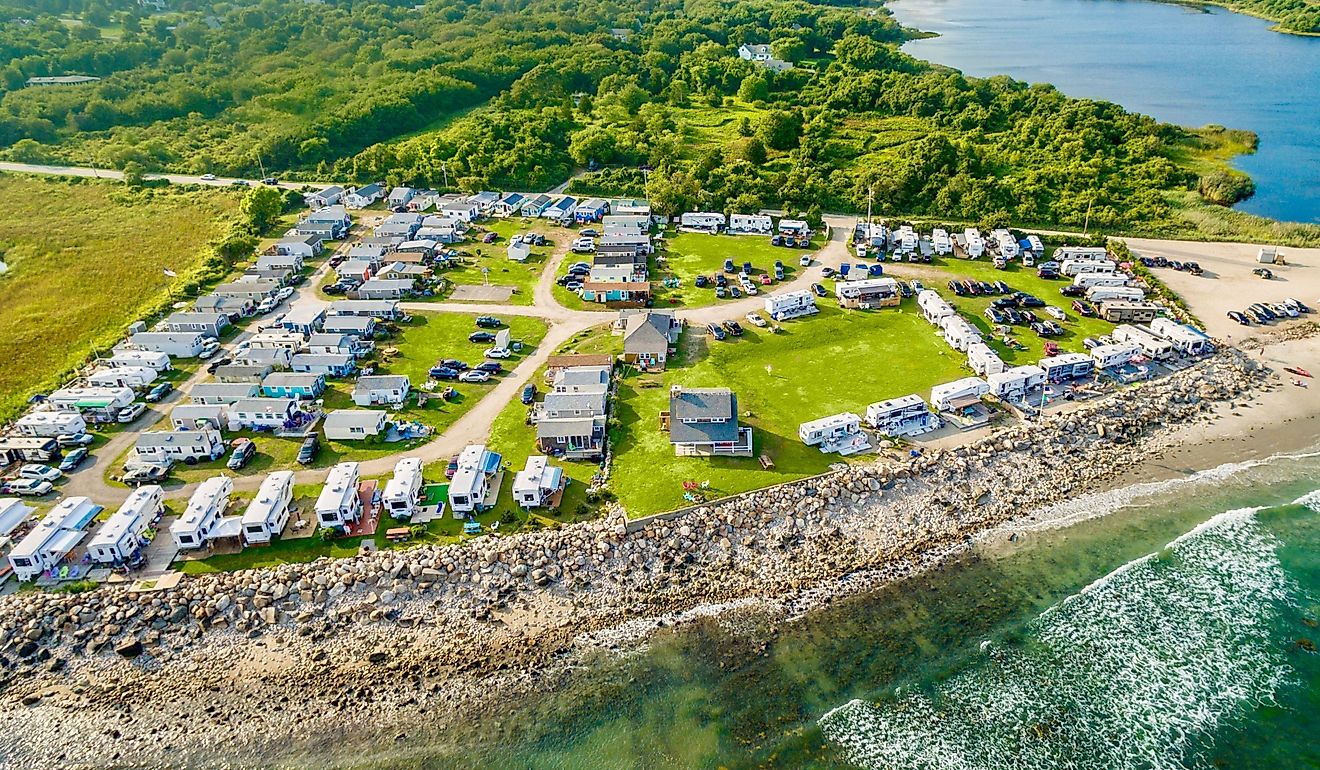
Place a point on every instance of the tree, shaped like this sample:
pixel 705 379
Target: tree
pixel 28 151
pixel 779 129
pixel 260 207
pixel 133 173
pixel 754 88
pixel 754 151
pixel 236 245
pixel 744 126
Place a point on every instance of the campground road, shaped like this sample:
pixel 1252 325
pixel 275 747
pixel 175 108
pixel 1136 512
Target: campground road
pixel 106 173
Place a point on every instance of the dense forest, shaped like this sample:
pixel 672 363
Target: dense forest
pixel 647 98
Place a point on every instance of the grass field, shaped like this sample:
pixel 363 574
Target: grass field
pixel 503 271
pixel 833 362
pixel 85 260
pixel 688 255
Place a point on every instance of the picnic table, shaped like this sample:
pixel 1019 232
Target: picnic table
pixel 766 462
pixel 398 534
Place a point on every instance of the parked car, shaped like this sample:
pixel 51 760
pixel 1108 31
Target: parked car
pixel 209 349
pixel 765 277
pixel 75 439
pixel 756 319
pixel 529 393
pixel 805 260
pixel 583 245
pixel 244 450
pixel 715 331
pixel 996 316
pixel 1263 272
pixel 131 412
pixel 700 282
pixel 494 367
pixel 1055 313
pixel 443 373
pixel 267 305
pixel 481 337
pixel 489 237
pixel 39 472
pixel 497 353
pixel 818 289
pixel 157 393
pixel 270 180
pixel 208 177
pixel 1073 291
pixel 1081 307
pixel 454 363
pixel 721 281
pixel 1297 303
pixel 335 289
pixel 488 322
pixel 26 487
pixel 728 266
pixel 239 183
pixel 474 375
pixel 905 289
pixel 307 452
pixel 1090 343
pixel 827 272
pixel 747 268
pixel 734 292
pixel 1239 317
pixel 734 328
pixel 589 232
pixel 451 468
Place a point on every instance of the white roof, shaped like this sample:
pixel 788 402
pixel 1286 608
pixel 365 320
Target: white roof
pixel 538 474
pixel 137 507
pixel 346 418
pixel 1023 373
pixel 834 420
pixel 902 402
pixel 965 385
pixel 406 480
pixel 59 530
pixel 209 500
pixel 270 498
pixel 340 488
pixel 12 513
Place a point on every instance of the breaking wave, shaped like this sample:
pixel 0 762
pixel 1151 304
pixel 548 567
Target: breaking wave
pixel 1128 673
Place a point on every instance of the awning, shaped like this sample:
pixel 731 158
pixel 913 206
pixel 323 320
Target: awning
pixel 230 527
pixel 962 402
pixel 94 403
pixel 64 542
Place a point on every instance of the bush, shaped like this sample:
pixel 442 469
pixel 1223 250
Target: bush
pixel 1224 187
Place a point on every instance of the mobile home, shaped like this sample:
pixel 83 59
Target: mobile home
pixel 904 416
pixel 1118 354
pixel 952 395
pixel 50 424
pixel 339 504
pixel 120 538
pixel 53 537
pixel 1129 312
pixel 136 377
pixel 751 224
pixel 933 307
pixel 702 220
pixel 1087 280
pixel 197 525
pixel 1081 254
pixel 868 293
pixel 1014 384
pixel 974 245
pixel 829 430
pixel 268 512
pixel 404 490
pixel 1006 243
pixel 158 361
pixel 941 242
pixel 960 334
pixel 1067 366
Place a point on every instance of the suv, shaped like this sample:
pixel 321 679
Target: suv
pixel 715 331
pixel 131 412
pixel 488 322
pixel 243 453
pixel 157 393
pixel 307 452
pixel 39 472
pixel 529 393
pixel 137 475
pixel 26 487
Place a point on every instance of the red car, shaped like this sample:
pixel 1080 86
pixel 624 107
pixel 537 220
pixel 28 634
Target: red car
pixel 451 468
pixel 765 279
pixel 489 238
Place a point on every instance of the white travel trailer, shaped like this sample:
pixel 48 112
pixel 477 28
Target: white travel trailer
pixel 53 537
pixel 197 525
pixel 137 377
pixel 941 242
pixel 1087 280
pixel 103 402
pixel 983 360
pixel 536 484
pixel 339 504
pixel 1073 267
pixel 905 239
pixel 50 424
pixel 1152 345
pixel 1067 366
pixel 1107 293
pixel 1014 384
pixel 790 304
pixel 960 334
pixel 933 307
pixel 470 486
pixel 120 538
pixel 1081 254
pixel 158 361
pixel 752 224
pixel 949 394
pixel 1185 339
pixel 974 244
pixel 702 220
pixel 403 491
pixel 837 433
pixel 902 416
pixel 1107 356
pixel 1005 243
pixel 268 512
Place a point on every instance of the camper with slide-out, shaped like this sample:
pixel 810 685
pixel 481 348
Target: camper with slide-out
pixel 1110 293
pixel 121 537
pixel 268 512
pixel 403 491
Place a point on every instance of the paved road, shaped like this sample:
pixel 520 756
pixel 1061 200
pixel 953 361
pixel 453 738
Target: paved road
pixel 104 173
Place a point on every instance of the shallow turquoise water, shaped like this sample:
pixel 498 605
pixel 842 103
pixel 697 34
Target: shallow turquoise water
pixel 1171 633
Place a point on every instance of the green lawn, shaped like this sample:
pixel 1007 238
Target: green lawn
pixel 85 260
pixel 493 257
pixel 688 255
pixel 835 361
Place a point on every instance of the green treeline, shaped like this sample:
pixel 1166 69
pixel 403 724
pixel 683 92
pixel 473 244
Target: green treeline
pixel 1297 16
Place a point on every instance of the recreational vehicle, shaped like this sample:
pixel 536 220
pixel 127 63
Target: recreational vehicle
pixel 197 525
pixel 51 424
pixel 1185 339
pixel 790 304
pixel 902 416
pixel 940 242
pixel 959 393
pixel 1005 243
pixel 1087 280
pixel 268 512
pixel 537 483
pixel 1081 254
pixel 120 538
pixel 471 484
pixel 933 306
pixel 974 244
pixel 1073 267
pixel 1128 312
pixel 960 334
pixel 1107 293
pixel 1067 366
pixel 699 220
pixel 1014 384
pixel 868 293
pixel 983 360
pixel 403 491
pixel 1118 354
pixel 339 504
pixel 1151 344
pixel 53 537
pixel 840 433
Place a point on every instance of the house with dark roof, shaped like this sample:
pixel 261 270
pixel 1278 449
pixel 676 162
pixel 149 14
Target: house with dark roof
pixel 361 197
pixel 647 336
pixel 704 421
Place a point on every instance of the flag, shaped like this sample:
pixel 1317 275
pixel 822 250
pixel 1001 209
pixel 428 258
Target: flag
pixel 171 273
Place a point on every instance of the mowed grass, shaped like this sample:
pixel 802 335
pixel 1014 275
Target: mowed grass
pixel 687 255
pixel 836 361
pixel 493 257
pixel 85 260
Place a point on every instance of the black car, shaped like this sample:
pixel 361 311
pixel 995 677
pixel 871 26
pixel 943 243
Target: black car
pixel 529 393
pixel 905 289
pixel 241 455
pixel 270 180
pixel 488 322
pixel 494 367
pixel 1047 272
pixel 995 316
pixel 733 328
pixel 481 337
pixel 957 288
pixel 721 281
pixel 1014 315
pixel 735 292
pixel 454 363
pixel 716 331
pixel 1239 317
pixel 335 289
pixel 1073 291
pixel 1029 300
pixel 216 364
pixel 157 393
pixel 307 452
pixel 987 288
pixel 1003 287
pixel 700 282
pixel 443 373
pixel 820 290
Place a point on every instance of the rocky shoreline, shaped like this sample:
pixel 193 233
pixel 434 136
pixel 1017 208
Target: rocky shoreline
pixel 269 663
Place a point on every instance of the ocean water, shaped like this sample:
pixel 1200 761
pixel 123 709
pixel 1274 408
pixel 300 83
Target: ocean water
pixel 1176 631
pixel 1189 66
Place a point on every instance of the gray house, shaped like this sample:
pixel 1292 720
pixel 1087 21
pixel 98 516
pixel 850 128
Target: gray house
pixel 211 324
pixel 704 422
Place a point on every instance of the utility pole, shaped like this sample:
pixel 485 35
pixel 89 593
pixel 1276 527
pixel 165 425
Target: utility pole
pixel 261 165
pixel 870 196
pixel 445 170
pixel 1086 225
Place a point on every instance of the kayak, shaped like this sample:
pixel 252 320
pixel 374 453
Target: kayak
pixel 1297 370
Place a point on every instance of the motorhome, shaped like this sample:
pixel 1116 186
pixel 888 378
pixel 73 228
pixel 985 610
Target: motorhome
pixel 1186 339
pixel 403 491
pixel 268 512
pixel 790 304
pixel 868 293
pixel 903 416
pixel 1151 344
pixel 751 224
pixel 52 538
pixel 120 538
pixel 1117 354
pixel 136 377
pixel 1067 366
pixel 339 504
pixel 933 306
pixel 959 334
pixel 702 220
pixel 197 525
pixel 50 424
pixel 1006 244
pixel 905 239
pixel 1107 293
pixel 1016 383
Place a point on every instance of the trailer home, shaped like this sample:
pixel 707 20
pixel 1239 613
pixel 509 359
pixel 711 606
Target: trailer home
pixel 941 242
pixel 933 307
pixel 903 416
pixel 1186 340
pixel 790 304
pixel 840 433
pixel 1081 254
pixel 1073 267
pixel 197 525
pixel 339 504
pixel 404 490
pixel 268 512
pixel 1014 384
pixel 1067 366
pixel 50 424
pixel 471 485
pixel 1151 344
pixel 958 394
pixel 983 360
pixel 1107 293
pixel 1087 280
pixel 702 220
pixel 1118 354
pixel 136 377
pixel 537 483
pixel 1005 243
pixel 751 224
pixel 53 538
pixel 958 333
pixel 1128 312
pixel 120 538
pixel 158 361
pixel 973 243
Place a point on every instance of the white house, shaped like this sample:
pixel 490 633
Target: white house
pixel 354 424
pixel 51 424
pixel 519 252
pixel 400 196
pixel 198 524
pixel 361 197
pixel 382 389
pixel 471 484
pixel 197 416
pixel 751 224
pixel 339 504
pixel 102 403
pixel 403 491
pixel 120 538
pixel 158 361
pixel 173 344
pixel 840 433
pixel 1152 345
pixel 137 377
pixel 322 198
pixel 262 413
pixel 1014 384
pixel 702 220
pixel 268 512
pixel 983 360
pixel 1067 366
pixel 166 447
pixel 53 537
pixel 1107 356
pixel 790 304
pixel 903 416
pixel 959 393
pixel 1185 339
pixel 537 483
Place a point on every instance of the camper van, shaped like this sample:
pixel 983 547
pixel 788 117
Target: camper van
pixel 404 489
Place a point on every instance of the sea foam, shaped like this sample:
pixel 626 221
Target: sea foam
pixel 1133 671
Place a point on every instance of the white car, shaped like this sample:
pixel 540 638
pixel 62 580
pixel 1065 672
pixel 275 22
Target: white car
pixel 131 412
pixel 28 487
pixel 284 293
pixel 69 439
pixel 1056 313
pixel 474 375
pixel 584 245
pixel 805 261
pixel 208 177
pixel 268 304
pixel 209 348
pixel 39 472
pixel 497 353
pixel 756 319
